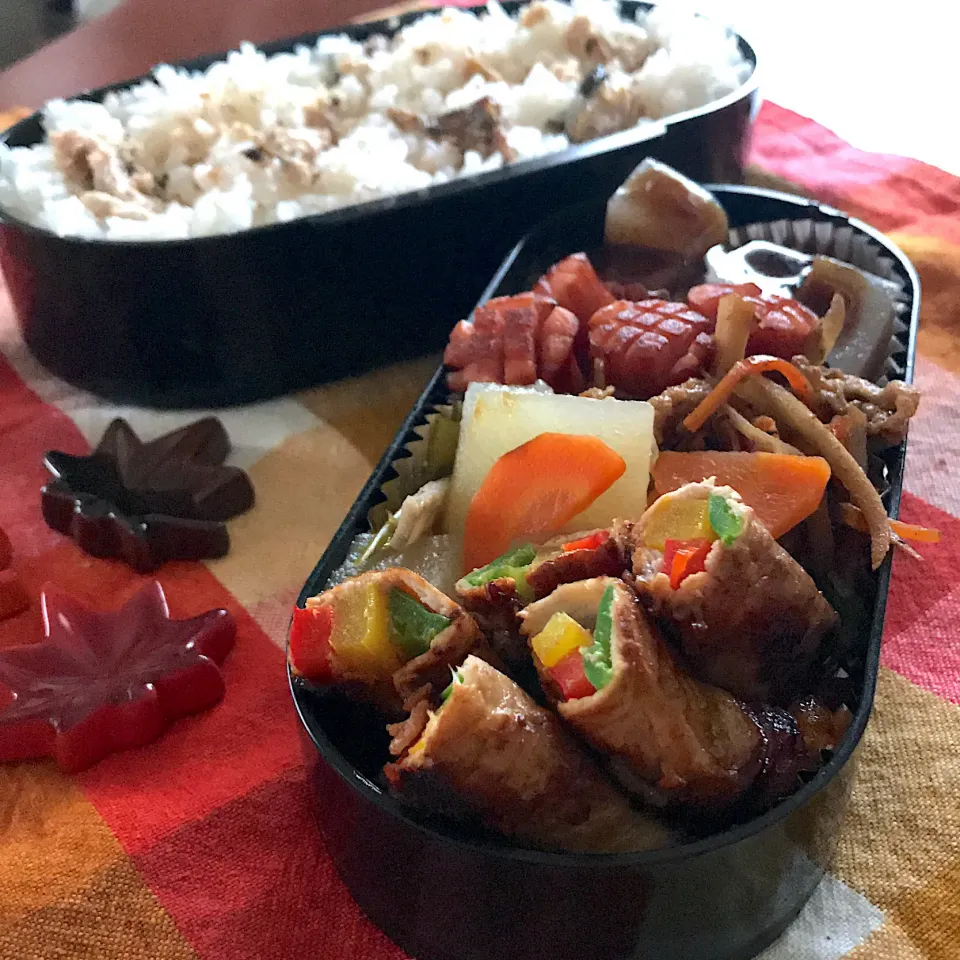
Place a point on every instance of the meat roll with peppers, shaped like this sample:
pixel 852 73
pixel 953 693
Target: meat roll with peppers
pixel 672 739
pixel 746 616
pixel 488 754
pixel 381 636
pixel 494 593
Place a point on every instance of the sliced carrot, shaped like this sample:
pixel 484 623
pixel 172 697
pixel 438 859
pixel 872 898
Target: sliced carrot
pixel 852 517
pixel 536 489
pixel 745 368
pixel 782 489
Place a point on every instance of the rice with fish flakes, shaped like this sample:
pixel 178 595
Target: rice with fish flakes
pixel 255 140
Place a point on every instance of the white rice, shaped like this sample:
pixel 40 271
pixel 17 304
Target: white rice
pixel 256 140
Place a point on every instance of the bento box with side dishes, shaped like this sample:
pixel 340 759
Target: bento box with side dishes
pixel 584 670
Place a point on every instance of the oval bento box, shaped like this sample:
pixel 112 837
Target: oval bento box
pixel 442 894
pixel 228 319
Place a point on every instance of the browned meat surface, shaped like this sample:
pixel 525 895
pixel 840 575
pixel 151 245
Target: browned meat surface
pixel 820 727
pixel 606 560
pixel 691 743
pixel 493 756
pixel 407 732
pixel 494 606
pixel 796 743
pixel 406 120
pixel 671 406
pixel 887 409
pixel 751 623
pixel 447 650
pixel 107 185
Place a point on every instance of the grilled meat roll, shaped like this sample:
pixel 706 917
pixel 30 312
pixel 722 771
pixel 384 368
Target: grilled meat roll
pixel 671 739
pixel 744 614
pixel 381 636
pixel 494 593
pixel 490 755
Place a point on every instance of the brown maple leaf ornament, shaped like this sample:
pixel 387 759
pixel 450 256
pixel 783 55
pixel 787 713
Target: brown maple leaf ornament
pixel 147 503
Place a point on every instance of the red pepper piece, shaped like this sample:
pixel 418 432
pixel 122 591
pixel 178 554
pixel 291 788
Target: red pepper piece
pixel 681 558
pixel 105 681
pixel 310 642
pixel 590 542
pixel 569 676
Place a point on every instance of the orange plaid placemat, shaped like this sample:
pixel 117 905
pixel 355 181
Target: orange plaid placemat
pixel 201 845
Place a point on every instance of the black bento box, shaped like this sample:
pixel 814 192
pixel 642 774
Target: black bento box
pixel 445 895
pixel 228 319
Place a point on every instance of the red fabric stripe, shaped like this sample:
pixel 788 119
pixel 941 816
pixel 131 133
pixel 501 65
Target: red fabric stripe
pixel 923 610
pixel 205 761
pixel 254 882
pixel 890 192
pixel 28 429
pixel 803 152
pixel 917 198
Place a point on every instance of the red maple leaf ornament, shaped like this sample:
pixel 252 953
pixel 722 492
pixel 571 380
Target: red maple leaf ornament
pixel 100 682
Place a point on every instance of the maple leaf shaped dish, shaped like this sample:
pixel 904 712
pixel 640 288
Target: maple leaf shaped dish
pixel 146 503
pixel 100 682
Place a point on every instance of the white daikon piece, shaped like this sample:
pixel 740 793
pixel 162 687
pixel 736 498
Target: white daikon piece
pixel 498 419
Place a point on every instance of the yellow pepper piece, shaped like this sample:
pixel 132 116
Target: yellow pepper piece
pixel 361 637
pixel 672 519
pixel 418 747
pixel 560 637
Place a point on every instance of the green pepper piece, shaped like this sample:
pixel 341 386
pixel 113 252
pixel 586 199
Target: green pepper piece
pixel 512 564
pixel 597 658
pixel 412 625
pixel 726 524
pixel 457 678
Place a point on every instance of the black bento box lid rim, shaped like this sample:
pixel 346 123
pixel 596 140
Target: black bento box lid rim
pixel 25 130
pixel 733 835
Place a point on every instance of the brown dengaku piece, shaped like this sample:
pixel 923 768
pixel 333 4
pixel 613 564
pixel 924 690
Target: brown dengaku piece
pixel 146 503
pixel 491 755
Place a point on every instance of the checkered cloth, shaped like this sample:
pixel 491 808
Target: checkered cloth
pixel 201 844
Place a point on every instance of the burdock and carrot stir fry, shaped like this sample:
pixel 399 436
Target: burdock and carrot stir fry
pixel 606 619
